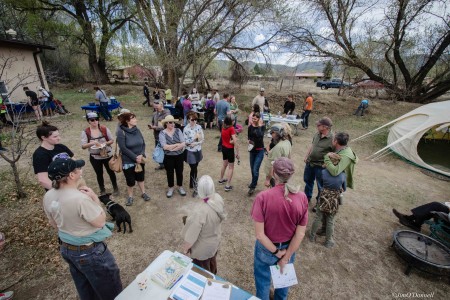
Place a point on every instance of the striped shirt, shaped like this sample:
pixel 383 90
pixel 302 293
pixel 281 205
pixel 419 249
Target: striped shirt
pixel 165 139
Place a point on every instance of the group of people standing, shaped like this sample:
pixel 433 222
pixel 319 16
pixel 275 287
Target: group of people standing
pixel 279 213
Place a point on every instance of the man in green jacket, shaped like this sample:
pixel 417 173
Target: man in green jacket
pixel 347 158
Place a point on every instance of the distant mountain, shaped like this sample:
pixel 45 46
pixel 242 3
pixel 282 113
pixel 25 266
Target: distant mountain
pixel 312 66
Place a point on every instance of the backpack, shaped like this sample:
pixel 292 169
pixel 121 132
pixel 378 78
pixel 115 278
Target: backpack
pixel 102 130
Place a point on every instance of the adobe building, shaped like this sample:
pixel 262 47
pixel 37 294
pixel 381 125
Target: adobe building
pixel 20 65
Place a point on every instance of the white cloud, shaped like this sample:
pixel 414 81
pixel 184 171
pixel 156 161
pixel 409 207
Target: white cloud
pixel 259 38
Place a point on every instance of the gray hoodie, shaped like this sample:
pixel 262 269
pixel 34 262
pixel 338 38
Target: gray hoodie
pixel 131 143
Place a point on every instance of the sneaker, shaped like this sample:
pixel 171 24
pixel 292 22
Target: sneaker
pixel 222 181
pixel 405 220
pixel 329 244
pixel 116 192
pixel 146 197
pixel 169 193
pixel 181 191
pixel 228 188
pixel 251 191
pixel 129 201
pixel 159 168
pixel 194 194
pixel 6 295
pixel 102 192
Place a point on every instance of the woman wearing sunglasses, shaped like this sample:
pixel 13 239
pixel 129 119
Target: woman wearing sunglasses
pixel 132 145
pixel 194 137
pixel 98 139
pixel 172 141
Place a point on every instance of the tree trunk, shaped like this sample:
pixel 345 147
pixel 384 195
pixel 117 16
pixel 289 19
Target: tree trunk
pixel 19 188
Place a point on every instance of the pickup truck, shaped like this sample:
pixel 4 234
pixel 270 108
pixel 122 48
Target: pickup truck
pixel 333 83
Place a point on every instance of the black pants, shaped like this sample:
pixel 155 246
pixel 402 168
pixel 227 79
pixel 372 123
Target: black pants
pixel 423 212
pixel 209 117
pixel 98 164
pixel 147 100
pixel 174 164
pixel 361 108
pixel 219 145
pixel 193 175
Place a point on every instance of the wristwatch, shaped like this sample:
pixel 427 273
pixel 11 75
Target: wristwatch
pixel 276 251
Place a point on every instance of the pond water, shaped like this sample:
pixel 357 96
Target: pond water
pixel 435 153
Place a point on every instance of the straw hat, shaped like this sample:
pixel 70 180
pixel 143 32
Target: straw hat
pixel 168 118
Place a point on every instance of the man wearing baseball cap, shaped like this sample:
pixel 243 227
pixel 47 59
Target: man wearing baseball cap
pixel 80 221
pixel 280 215
pixel 322 144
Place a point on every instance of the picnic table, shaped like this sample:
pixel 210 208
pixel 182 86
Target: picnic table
pixel 95 107
pixel 16 109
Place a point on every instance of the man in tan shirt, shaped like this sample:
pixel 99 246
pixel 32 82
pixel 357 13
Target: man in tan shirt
pixel 260 100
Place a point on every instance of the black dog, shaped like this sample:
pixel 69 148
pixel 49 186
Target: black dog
pixel 117 212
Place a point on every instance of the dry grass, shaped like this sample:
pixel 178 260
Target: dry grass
pixel 361 266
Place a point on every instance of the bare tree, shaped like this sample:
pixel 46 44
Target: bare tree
pixel 19 135
pixel 402 44
pixel 191 33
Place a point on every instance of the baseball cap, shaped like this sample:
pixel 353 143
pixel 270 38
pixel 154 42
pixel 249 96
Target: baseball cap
pixel 325 121
pixel 283 166
pixel 60 168
pixel 276 128
pixel 91 115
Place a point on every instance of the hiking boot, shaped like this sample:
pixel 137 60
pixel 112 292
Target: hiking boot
pixel 228 188
pixel 181 191
pixel 145 197
pixel 251 191
pixel 169 193
pixel 6 295
pixel 329 243
pixel 129 201
pixel 406 220
pixel 116 191
pixel 222 181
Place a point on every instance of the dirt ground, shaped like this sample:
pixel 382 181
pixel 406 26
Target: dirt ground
pixel 362 265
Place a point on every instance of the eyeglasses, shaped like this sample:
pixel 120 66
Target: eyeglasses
pixel 92 120
pixel 193 119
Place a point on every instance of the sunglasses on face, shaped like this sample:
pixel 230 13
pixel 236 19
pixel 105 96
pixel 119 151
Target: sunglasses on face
pixel 193 119
pixel 170 122
pixel 92 120
pixel 132 117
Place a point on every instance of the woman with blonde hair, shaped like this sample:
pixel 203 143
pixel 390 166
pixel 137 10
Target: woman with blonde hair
pixel 202 232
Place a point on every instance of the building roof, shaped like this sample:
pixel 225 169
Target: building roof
pixel 15 42
pixel 316 74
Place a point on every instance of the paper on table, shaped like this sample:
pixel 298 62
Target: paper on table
pixel 288 278
pixel 190 288
pixel 217 290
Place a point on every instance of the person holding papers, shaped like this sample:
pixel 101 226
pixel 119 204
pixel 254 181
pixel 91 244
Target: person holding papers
pixel 203 229
pixel 280 215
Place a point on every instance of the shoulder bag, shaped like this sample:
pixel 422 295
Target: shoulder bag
pixel 115 163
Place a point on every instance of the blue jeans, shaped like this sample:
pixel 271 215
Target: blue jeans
pixel 256 158
pixel 261 269
pixel 305 118
pixel 94 271
pixel 311 174
pixel 103 110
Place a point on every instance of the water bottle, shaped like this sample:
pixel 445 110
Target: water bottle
pixel 341 199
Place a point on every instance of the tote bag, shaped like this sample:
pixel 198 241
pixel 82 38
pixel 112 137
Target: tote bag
pixel 115 163
pixel 158 154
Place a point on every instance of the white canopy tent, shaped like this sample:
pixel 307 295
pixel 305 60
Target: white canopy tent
pixel 407 130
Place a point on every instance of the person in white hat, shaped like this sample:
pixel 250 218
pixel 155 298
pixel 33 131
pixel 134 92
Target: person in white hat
pixel 98 139
pixel 172 141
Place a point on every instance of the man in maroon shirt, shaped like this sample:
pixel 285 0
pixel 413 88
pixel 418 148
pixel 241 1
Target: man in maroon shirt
pixel 280 215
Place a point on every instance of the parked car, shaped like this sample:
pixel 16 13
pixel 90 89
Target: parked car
pixel 333 83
